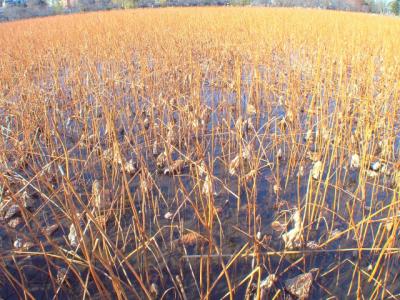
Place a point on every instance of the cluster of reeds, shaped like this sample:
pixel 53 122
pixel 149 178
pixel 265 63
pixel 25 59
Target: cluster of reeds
pixel 200 153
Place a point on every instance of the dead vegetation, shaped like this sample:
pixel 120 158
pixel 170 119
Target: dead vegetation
pixel 200 153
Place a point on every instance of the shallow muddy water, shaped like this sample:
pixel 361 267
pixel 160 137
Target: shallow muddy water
pixel 247 208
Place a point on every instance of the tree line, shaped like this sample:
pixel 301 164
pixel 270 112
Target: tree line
pixel 15 9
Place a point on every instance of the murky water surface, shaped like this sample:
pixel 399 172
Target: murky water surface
pixel 234 227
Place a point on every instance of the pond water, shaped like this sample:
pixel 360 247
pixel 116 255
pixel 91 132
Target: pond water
pixel 246 208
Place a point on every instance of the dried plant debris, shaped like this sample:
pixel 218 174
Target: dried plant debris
pixel 18 243
pixel 312 245
pixel 251 109
pixel 268 282
pixel 102 220
pixel 316 170
pixel 278 226
pixel 300 172
pixel 154 290
pixel 389 224
pixel 28 245
pixel 300 285
pixel 191 239
pixel 168 215
pixel 207 185
pixel 276 188
pixel 244 156
pixel 280 204
pixel 308 137
pixel 293 238
pixel 234 165
pixel 130 167
pixel 279 154
pixel 101 197
pixel 50 230
pixel 201 168
pixel 14 223
pixel 13 211
pixel 396 179
pixel 175 168
pixel 376 166
pixel 73 236
pixel 314 156
pixel 161 160
pixel 372 173
pixel 244 127
pixel 355 161
pixel 267 145
pixel 155 149
pixel 173 136
pixel 62 276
